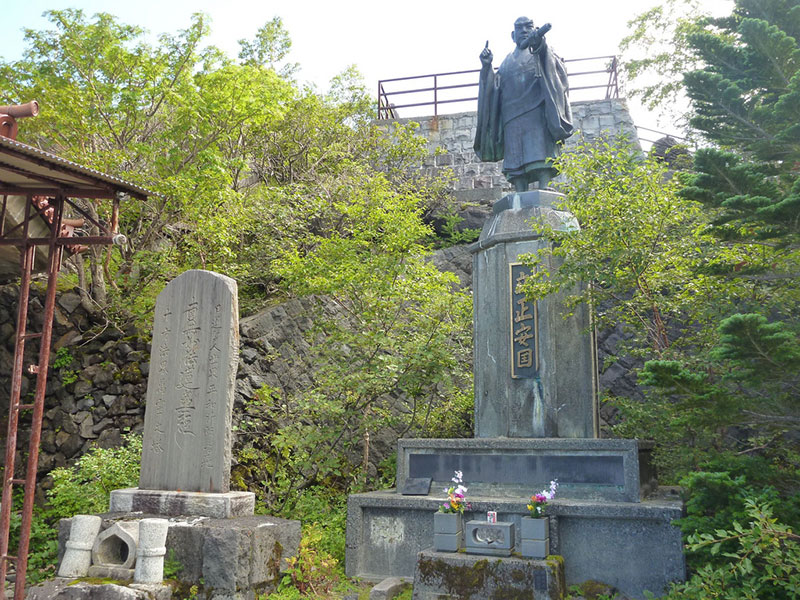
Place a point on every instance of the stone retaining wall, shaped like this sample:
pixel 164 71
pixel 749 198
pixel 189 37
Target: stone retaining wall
pixel 482 183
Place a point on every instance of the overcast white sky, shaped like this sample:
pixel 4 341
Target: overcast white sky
pixel 384 39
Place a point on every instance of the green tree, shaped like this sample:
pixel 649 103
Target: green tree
pixel 656 54
pixel 746 100
pixel 389 346
pixel 270 47
pixel 174 117
pixel 636 255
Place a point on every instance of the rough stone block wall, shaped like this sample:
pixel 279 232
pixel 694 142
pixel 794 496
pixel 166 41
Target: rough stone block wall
pixel 482 183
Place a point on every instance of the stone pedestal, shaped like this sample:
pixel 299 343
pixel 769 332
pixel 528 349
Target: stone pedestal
pixel 535 372
pixel 445 576
pixel 536 419
pixel 170 504
pixel 595 469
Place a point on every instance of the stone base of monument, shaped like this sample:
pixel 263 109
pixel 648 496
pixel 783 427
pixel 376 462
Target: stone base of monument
pixel 449 575
pixel 632 546
pixel 231 559
pixel 62 588
pixel 168 503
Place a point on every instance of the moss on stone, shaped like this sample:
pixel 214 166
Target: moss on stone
pixel 462 582
pixel 593 589
pixel 100 581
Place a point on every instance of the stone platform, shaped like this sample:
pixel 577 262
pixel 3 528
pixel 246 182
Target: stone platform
pixel 450 575
pixel 632 546
pixel 166 503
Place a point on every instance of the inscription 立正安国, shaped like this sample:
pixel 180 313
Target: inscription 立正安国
pixel 524 326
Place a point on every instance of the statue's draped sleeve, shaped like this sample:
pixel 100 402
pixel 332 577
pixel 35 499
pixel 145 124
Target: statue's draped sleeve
pixel 489 132
pixel 558 112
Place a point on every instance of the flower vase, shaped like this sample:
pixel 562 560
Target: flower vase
pixel 535 537
pixel 448 532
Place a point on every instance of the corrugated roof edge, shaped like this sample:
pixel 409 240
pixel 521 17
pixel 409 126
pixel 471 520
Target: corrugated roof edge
pixel 33 152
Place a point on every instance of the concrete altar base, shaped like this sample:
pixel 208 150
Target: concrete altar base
pixel 631 546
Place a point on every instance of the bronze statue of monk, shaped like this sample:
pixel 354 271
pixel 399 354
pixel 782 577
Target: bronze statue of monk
pixel 523 108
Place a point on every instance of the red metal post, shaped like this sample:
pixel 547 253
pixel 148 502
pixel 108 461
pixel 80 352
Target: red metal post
pixel 54 256
pixel 27 255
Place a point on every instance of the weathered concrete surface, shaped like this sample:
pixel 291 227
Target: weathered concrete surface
pixel 195 352
pixel 589 469
pixel 535 371
pixel 448 575
pixel 172 504
pixel 631 546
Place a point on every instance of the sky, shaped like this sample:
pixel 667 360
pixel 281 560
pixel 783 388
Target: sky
pixel 383 39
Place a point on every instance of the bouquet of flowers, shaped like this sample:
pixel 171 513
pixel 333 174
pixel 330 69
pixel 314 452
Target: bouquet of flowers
pixel 540 500
pixel 456 495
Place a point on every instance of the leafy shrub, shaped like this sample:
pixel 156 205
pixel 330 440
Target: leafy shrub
pixel 85 487
pixel 759 560
pixel 717 500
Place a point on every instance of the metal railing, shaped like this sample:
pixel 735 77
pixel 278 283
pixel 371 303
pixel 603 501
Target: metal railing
pixel 445 88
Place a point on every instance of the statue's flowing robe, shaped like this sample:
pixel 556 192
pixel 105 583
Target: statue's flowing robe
pixel 523 110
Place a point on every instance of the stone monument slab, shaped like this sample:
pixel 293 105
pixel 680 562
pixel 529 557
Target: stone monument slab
pixel 195 352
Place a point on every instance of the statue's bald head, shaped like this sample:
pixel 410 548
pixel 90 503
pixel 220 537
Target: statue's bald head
pixel 523 28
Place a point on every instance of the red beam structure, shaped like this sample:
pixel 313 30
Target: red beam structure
pixel 37 193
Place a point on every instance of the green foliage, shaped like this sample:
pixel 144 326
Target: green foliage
pixel 63 361
pixel 760 560
pixel 656 53
pixel 172 566
pixel 451 235
pixel 746 100
pixel 714 501
pixel 270 46
pixel 390 333
pixel 638 247
pixel 85 487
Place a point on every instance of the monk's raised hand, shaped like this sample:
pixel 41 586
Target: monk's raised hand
pixel 486 54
